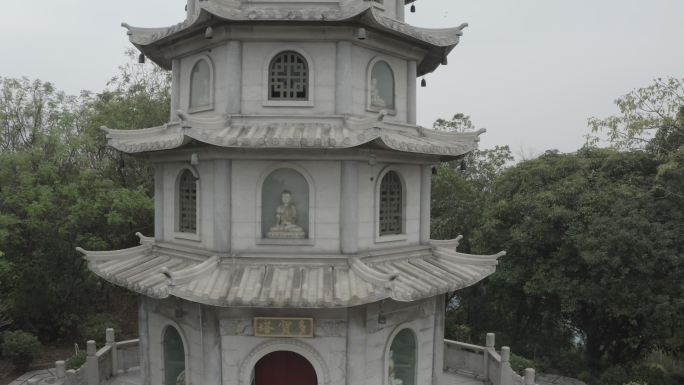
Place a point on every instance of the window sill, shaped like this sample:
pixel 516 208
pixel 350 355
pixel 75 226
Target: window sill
pixel 390 238
pixel 388 111
pixel 187 236
pixel 285 242
pixel 288 103
pixel 192 110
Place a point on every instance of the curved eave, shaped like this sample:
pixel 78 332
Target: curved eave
pixel 439 42
pixel 405 275
pixel 239 132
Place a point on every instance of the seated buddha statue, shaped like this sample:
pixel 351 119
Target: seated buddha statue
pixel 286 220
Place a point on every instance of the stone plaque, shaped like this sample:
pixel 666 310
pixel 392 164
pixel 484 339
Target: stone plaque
pixel 284 327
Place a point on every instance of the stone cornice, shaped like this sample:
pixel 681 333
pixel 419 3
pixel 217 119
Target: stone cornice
pixel 294 132
pixel 402 274
pixel 439 41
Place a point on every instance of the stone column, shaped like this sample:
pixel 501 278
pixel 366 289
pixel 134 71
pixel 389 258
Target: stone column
pixel 411 92
pixel 356 346
pixel 349 207
pixel 190 9
pixel 175 88
pixel 159 202
pixel 222 204
pixel 343 79
pixel 233 77
pixel 144 344
pixel 425 197
pixel 211 343
pixel 438 348
pixel 401 8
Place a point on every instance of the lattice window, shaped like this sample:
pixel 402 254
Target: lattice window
pixel 288 77
pixel 391 204
pixel 187 203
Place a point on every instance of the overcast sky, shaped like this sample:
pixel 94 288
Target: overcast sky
pixel 530 71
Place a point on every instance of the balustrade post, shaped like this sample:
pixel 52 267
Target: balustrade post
pixel 529 376
pixel 506 371
pixel 92 366
pixel 60 370
pixel 489 344
pixel 111 342
pixel 70 376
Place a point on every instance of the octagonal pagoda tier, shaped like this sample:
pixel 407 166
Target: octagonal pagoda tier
pixel 280 281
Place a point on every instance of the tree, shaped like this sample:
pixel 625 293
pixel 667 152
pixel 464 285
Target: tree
pixel 459 188
pixel 61 187
pixel 651 119
pixel 592 255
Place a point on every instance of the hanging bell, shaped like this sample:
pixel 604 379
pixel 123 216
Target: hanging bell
pixel 413 8
pixel 141 58
pixel 423 83
pixel 120 164
pixel 209 33
pixel 361 34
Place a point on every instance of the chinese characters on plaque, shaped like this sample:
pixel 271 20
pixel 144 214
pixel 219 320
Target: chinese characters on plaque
pixel 283 327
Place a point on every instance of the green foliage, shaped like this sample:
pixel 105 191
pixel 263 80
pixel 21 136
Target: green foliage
pixel 593 274
pixel 459 188
pixel 615 375
pixel 94 328
pixel 61 187
pixel 76 361
pixel 652 118
pixel 21 348
pixel 520 363
pixel 583 233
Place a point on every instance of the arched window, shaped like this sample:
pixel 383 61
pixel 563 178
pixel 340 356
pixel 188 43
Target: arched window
pixel 200 85
pixel 187 203
pixel 174 358
pixel 401 363
pixel 288 77
pixel 382 86
pixel 285 205
pixel 391 204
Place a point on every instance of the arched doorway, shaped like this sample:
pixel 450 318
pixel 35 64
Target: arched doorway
pixel 284 368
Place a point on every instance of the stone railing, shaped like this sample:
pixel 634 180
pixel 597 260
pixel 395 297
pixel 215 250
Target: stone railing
pixel 113 359
pixel 484 363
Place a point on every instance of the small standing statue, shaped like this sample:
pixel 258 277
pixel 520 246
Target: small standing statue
pixel 391 380
pixel 376 99
pixel 286 220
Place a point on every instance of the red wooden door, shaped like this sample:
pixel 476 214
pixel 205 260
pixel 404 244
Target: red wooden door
pixel 284 368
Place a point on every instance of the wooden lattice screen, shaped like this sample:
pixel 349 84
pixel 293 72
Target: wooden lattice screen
pixel 391 204
pixel 187 218
pixel 289 77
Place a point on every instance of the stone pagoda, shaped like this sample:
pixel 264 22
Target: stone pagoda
pixel 292 199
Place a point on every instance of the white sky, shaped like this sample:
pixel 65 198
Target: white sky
pixel 530 71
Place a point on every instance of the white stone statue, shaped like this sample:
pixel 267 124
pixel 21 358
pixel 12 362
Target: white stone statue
pixel 286 220
pixel 376 99
pixel 391 380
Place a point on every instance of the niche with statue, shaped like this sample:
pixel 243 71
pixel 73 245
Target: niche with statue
pixel 285 205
